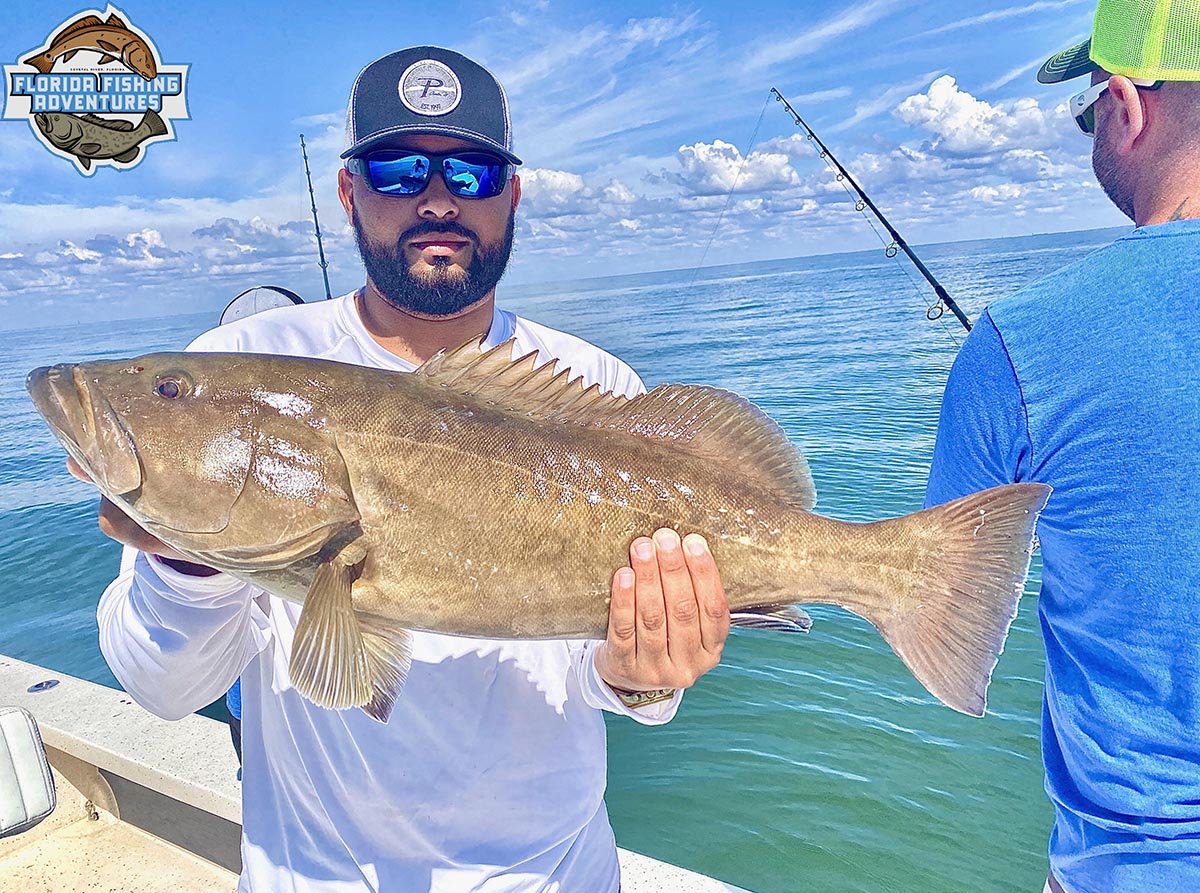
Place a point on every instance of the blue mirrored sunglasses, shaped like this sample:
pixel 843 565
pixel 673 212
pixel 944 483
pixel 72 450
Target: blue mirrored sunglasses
pixel 400 172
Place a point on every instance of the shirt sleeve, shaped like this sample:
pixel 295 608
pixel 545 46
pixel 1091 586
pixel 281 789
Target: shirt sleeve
pixel 177 642
pixel 983 432
pixel 599 694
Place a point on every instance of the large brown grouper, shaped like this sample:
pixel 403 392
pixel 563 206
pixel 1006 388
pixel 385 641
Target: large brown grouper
pixel 479 496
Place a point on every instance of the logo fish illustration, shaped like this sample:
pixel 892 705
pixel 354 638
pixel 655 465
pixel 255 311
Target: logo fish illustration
pixel 89 137
pixel 111 37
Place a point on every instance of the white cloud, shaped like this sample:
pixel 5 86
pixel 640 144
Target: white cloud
pixel 961 123
pixel 997 15
pixel 1000 192
pixel 718 167
pixel 855 18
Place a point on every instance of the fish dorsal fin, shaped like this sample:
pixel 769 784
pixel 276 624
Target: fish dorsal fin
pixel 81 25
pixel 115 21
pixel 705 421
pixel 107 123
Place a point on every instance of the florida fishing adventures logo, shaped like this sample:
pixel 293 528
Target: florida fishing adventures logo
pixel 97 92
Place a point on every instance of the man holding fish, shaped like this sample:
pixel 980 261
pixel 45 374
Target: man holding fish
pixel 430 554
pixel 490 773
pixel 1088 380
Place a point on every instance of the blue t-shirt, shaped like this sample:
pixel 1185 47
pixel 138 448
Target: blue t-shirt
pixel 1089 380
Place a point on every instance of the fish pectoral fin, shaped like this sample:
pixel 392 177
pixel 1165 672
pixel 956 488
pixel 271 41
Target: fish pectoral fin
pixel 87 148
pixel 109 46
pixel 127 155
pixel 788 619
pixel 338 663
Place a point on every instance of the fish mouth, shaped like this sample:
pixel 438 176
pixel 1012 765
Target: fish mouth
pixel 86 425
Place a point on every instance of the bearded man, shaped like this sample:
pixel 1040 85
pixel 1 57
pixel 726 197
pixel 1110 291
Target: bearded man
pixel 489 775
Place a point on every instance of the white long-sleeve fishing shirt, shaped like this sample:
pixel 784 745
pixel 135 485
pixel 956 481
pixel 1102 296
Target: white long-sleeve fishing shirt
pixel 489 775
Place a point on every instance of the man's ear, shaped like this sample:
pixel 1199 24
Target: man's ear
pixel 1128 115
pixel 516 191
pixel 346 192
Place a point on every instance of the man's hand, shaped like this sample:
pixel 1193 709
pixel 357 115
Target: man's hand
pixel 116 524
pixel 668 620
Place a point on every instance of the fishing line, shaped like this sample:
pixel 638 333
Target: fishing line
pixel 862 202
pixel 729 198
pixel 934 312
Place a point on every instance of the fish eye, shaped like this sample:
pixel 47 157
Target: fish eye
pixel 172 386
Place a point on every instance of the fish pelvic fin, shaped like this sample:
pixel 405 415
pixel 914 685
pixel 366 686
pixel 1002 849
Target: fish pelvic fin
pixel 972 560
pixel 339 662
pixel 709 422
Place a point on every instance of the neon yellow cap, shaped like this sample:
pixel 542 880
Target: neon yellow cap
pixel 1158 40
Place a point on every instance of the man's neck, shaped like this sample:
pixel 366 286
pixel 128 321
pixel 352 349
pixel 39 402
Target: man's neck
pixel 1169 208
pixel 415 338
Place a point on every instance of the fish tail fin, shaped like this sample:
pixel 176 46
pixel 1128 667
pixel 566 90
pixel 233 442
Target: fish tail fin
pixel 972 560
pixel 154 123
pixel 41 61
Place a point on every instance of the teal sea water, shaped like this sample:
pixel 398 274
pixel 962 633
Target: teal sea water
pixel 801 763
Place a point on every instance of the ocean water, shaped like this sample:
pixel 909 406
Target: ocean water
pixel 801 763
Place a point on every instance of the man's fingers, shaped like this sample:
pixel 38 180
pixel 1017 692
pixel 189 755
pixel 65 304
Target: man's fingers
pixel 622 617
pixel 77 470
pixel 710 594
pixel 117 525
pixel 651 612
pixel 683 628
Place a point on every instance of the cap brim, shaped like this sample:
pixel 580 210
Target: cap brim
pixel 393 134
pixel 1071 63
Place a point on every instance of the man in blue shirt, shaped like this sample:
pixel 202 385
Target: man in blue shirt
pixel 1089 380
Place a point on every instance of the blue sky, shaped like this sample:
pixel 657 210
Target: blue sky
pixel 633 119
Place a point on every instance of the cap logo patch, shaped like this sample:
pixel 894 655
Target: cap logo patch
pixel 430 88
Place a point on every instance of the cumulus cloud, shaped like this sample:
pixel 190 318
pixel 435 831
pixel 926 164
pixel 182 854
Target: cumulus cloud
pixel 718 167
pixel 960 123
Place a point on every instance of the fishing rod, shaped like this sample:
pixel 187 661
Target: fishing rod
pixel 898 244
pixel 316 223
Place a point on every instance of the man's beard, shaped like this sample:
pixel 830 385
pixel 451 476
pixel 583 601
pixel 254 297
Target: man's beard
pixel 441 291
pixel 1112 179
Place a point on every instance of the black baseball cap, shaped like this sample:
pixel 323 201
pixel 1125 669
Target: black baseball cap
pixel 428 90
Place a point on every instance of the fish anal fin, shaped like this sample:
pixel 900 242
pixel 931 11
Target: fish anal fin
pixel 106 59
pixel 705 421
pixel 338 659
pixel 787 619
pixel 67 57
pixel 128 155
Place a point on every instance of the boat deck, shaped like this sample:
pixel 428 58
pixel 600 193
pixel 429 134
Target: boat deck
pixel 150 805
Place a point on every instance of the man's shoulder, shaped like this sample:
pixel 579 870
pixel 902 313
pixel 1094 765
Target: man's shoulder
pixel 596 365
pixel 1133 267
pixel 302 329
